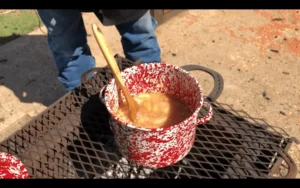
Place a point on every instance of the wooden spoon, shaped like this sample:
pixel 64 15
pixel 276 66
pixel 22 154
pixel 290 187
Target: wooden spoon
pixel 115 70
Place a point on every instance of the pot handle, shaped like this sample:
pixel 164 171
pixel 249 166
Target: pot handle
pixel 84 77
pixel 101 94
pixel 207 117
pixel 218 80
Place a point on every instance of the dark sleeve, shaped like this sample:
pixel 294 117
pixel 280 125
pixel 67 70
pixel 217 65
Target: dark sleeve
pixel 118 16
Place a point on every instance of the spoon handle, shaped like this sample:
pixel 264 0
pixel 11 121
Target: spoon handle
pixel 115 69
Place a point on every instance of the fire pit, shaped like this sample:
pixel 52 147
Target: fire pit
pixel 72 139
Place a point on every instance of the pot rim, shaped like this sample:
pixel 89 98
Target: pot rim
pixel 195 113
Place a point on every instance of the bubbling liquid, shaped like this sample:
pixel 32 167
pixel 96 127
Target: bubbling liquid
pixel 156 110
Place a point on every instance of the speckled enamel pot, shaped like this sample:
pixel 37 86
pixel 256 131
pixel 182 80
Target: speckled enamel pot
pixel 158 147
pixel 11 167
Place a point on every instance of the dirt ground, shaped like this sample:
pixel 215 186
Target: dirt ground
pixel 257 53
pixel 5 11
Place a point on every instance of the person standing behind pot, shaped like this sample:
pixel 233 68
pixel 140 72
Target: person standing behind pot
pixel 67 39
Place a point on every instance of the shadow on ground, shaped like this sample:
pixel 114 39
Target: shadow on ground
pixel 4 40
pixel 28 70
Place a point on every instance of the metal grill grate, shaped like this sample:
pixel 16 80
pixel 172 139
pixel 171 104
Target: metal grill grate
pixel 72 139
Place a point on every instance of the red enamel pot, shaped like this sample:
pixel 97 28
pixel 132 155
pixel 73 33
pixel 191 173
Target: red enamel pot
pixel 11 167
pixel 158 147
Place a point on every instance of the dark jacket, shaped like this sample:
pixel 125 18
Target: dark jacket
pixel 116 16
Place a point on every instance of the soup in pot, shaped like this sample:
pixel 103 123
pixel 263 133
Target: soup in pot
pixel 156 110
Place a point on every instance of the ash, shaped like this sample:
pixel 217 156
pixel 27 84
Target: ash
pixel 123 170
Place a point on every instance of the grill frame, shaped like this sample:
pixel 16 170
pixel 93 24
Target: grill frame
pixel 72 139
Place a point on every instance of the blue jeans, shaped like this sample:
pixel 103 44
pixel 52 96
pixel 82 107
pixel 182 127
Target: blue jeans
pixel 68 42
